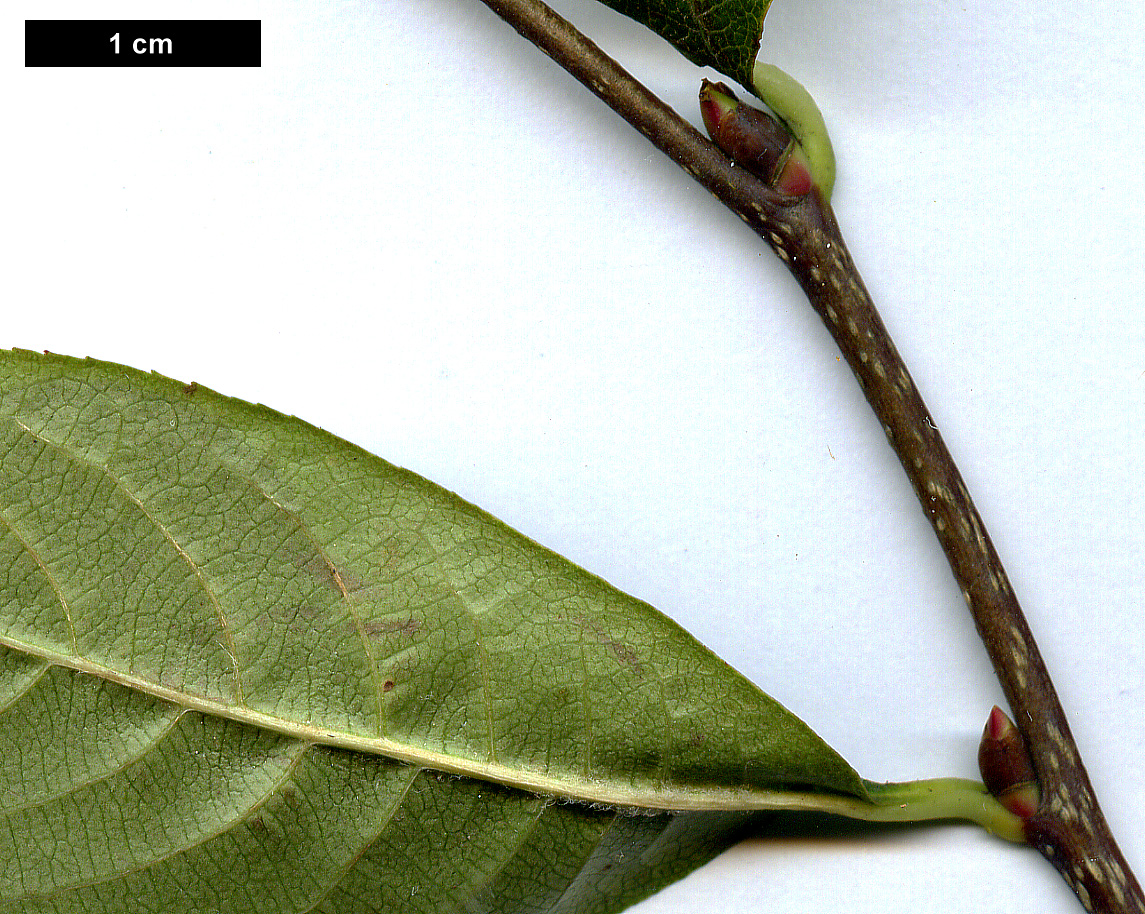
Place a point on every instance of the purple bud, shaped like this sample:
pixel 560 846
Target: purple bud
pixel 1006 768
pixel 751 138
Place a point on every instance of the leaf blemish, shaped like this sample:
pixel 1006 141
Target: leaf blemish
pixel 624 653
pixel 376 627
pixel 337 579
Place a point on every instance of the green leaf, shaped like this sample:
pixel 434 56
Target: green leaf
pixel 242 658
pixel 722 34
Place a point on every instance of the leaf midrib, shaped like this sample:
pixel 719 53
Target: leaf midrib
pixel 583 789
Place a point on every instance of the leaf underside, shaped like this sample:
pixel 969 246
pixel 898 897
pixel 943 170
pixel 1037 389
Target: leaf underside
pixel 722 34
pixel 246 666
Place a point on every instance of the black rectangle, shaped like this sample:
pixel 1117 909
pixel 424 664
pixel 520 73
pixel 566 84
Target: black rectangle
pixel 142 43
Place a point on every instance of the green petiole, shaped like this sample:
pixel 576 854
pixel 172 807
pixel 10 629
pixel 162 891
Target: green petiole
pixel 940 798
pixel 794 106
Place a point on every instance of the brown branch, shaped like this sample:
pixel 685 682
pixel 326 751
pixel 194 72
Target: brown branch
pixel 1068 827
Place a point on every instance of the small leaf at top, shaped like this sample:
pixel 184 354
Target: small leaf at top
pixel 722 34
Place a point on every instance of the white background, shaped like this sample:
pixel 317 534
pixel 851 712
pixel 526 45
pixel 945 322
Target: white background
pixel 412 229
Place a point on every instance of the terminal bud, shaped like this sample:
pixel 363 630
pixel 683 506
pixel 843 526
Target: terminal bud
pixel 754 140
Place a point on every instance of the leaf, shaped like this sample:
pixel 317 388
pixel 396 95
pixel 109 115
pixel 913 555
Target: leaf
pixel 722 34
pixel 241 656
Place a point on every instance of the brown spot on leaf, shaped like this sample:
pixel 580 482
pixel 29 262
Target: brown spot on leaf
pixel 340 580
pixel 624 653
pixel 388 685
pixel 189 390
pixel 376 627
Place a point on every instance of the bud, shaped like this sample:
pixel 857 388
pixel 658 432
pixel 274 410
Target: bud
pixel 1006 768
pixel 754 140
